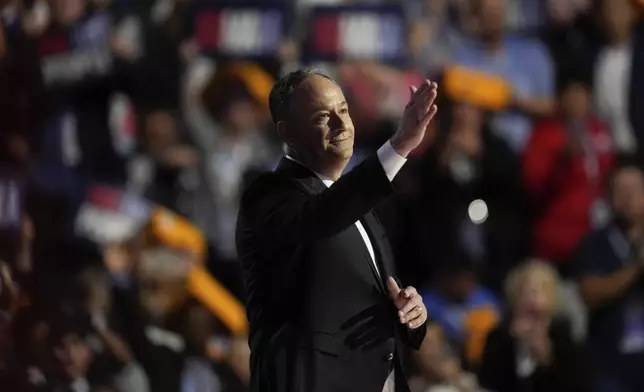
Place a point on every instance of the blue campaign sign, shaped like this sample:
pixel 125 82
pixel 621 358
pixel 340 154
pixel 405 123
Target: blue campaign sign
pixel 368 32
pixel 239 30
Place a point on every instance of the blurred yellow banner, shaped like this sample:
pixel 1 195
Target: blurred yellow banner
pixel 176 232
pixel 477 88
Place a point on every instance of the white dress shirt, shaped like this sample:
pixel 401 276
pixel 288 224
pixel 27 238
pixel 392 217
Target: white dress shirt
pixel 391 162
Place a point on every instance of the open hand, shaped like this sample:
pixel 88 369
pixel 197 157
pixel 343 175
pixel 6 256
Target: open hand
pixel 411 309
pixel 418 113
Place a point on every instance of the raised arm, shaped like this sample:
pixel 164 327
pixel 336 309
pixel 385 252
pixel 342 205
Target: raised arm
pixel 284 213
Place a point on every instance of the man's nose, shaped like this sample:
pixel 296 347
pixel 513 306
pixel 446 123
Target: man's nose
pixel 340 121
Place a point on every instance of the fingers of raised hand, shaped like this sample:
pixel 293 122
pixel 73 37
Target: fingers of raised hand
pixel 429 116
pixel 427 98
pixel 425 92
pixel 422 101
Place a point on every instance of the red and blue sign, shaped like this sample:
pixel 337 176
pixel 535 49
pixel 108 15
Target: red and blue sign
pixel 111 215
pixel 370 32
pixel 239 31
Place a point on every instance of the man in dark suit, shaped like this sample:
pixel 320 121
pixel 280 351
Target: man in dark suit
pixel 326 314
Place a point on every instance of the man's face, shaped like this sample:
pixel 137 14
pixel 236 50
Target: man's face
pixel 460 285
pixel 628 194
pixel 321 128
pixel 73 355
pixel 160 131
pixel 68 11
pixel 618 17
pixel 575 101
pixel 491 18
pixel 241 115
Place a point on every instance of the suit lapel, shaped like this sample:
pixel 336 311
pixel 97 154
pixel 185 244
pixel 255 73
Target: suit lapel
pixel 314 185
pixel 377 237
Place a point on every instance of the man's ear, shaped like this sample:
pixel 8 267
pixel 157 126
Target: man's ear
pixel 282 131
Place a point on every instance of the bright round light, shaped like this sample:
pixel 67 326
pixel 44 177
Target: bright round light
pixel 477 211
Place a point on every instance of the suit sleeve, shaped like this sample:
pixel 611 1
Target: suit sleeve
pixel 416 336
pixel 284 214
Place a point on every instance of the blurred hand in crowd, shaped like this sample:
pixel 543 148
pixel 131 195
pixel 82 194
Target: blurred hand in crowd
pixel 162 141
pixel 122 47
pixel 9 290
pixel 36 19
pixel 181 156
pixel 116 346
pixel 24 260
pixel 239 358
pixel 95 287
pixel 189 50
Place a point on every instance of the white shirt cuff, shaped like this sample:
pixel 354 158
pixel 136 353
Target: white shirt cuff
pixel 390 160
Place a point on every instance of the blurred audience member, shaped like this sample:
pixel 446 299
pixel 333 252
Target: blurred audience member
pixel 215 363
pixel 72 355
pixel 532 350
pixel 610 267
pixel 440 369
pixel 563 166
pixel 463 309
pixel 467 163
pixel 432 35
pixel 198 373
pixel 229 130
pixel 162 171
pixel 110 351
pixel 617 79
pixel 570 36
pixel 144 315
pixel 523 63
pixel 120 93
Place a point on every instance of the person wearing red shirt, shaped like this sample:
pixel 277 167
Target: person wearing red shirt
pixel 564 165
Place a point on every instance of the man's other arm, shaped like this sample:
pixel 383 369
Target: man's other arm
pixel 285 213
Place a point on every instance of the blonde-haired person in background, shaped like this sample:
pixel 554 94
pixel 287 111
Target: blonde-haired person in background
pixel 532 349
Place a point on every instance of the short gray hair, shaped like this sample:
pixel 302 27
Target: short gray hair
pixel 280 97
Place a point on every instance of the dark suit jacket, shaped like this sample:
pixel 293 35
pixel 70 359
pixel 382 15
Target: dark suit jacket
pixel 320 317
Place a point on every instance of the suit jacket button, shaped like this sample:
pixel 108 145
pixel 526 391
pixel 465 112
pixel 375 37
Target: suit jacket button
pixel 390 357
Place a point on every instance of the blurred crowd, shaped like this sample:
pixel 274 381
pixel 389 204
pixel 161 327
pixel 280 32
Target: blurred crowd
pixel 129 128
